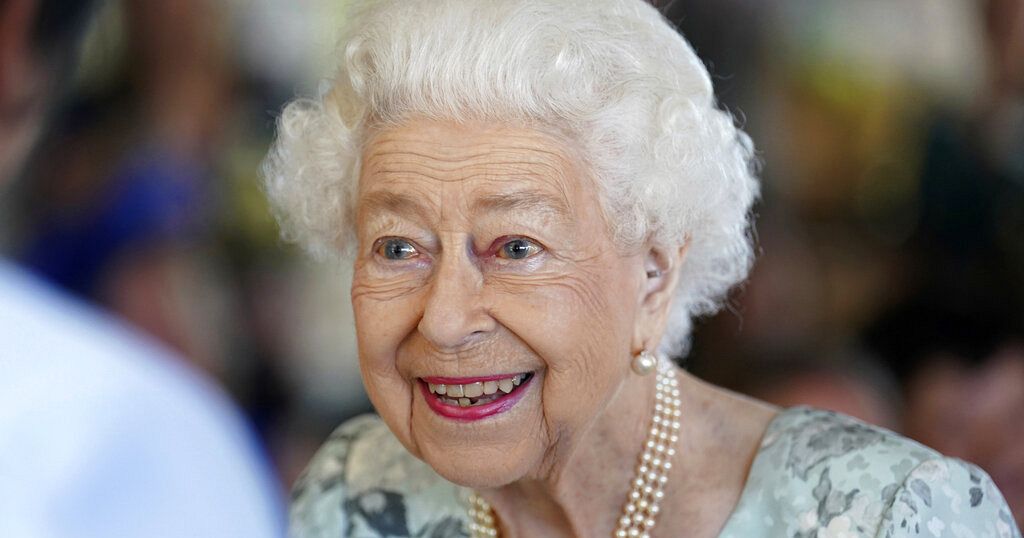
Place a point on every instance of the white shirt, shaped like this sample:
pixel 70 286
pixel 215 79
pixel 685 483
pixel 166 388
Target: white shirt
pixel 104 434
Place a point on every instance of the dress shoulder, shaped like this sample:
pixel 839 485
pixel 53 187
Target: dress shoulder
pixel 947 497
pixel 363 483
pixel 823 474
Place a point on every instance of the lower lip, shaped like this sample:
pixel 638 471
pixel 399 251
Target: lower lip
pixel 475 412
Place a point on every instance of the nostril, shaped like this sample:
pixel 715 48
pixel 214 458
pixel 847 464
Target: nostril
pixel 454 334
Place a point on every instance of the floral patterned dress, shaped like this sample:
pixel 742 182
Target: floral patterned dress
pixel 817 474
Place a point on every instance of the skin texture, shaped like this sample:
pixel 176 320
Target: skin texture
pixel 573 311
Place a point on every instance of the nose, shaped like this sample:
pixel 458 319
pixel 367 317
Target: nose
pixel 454 315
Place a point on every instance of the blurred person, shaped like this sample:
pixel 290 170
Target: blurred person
pixel 102 432
pixel 954 334
pixel 959 356
pixel 140 213
pixel 856 386
pixel 973 411
pixel 537 198
pixel 972 181
pixel 126 218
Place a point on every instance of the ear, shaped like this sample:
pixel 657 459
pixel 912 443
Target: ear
pixel 661 276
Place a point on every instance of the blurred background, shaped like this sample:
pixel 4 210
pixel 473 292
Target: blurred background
pixel 890 277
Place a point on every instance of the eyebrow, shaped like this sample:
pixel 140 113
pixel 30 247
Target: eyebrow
pixel 534 201
pixel 390 202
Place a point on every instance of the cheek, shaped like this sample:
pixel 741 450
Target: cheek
pixel 580 327
pixel 386 310
pixel 385 314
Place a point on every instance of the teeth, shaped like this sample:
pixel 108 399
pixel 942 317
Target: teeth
pixel 473 390
pixel 466 395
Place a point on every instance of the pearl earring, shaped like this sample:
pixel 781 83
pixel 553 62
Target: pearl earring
pixel 643 363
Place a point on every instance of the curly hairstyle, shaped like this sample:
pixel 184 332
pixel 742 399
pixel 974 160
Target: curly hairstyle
pixel 611 75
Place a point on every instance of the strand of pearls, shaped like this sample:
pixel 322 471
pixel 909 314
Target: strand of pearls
pixel 481 518
pixel 648 487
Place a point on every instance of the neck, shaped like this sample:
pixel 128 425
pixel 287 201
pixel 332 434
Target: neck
pixel 585 494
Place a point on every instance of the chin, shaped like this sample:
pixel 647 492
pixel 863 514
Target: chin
pixel 489 455
pixel 478 469
pixel 490 451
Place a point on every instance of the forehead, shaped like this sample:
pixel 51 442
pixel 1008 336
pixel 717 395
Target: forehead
pixel 480 166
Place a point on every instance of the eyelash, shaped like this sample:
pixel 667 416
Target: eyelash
pixel 380 245
pixel 497 249
pixel 500 245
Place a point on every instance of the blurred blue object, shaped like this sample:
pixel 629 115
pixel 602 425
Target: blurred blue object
pixel 154 197
pixel 104 434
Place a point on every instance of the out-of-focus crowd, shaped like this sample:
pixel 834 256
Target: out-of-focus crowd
pixel 890 276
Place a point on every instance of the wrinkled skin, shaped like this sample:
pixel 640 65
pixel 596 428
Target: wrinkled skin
pixel 457 307
pixel 437 291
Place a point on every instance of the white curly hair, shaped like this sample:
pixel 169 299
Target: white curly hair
pixel 613 75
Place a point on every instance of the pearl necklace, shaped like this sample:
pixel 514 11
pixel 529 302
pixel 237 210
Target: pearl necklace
pixel 642 504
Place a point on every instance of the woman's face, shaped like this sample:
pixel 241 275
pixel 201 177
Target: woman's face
pixel 485 265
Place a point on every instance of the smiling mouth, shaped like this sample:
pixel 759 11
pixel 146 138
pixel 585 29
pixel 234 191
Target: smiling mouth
pixel 475 393
pixel 474 398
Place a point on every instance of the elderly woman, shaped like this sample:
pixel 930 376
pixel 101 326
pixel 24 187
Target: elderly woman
pixel 537 197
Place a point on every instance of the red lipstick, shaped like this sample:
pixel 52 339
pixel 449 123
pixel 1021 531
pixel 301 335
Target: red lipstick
pixel 503 403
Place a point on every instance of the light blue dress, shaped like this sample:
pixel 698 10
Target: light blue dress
pixel 817 474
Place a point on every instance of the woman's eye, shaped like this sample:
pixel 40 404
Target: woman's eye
pixel 518 249
pixel 396 249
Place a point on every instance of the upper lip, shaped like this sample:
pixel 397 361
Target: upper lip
pixel 439 380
